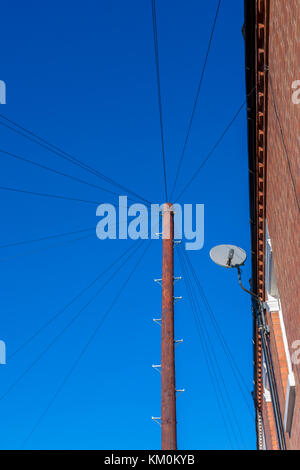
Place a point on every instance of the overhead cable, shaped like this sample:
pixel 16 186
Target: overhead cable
pixel 86 346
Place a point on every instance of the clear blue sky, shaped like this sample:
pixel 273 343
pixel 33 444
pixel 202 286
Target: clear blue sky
pixel 82 75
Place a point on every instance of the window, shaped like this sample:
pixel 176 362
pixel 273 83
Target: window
pixel 274 307
pixel 267 394
pixel 270 276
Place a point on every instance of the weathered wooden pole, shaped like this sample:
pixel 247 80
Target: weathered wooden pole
pixel 168 392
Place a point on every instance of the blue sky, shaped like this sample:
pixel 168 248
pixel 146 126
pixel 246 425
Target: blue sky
pixel 82 75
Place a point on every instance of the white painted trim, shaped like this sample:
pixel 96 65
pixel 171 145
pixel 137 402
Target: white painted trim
pixel 290 402
pixel 266 394
pixel 285 341
pixel 268 253
pixel 272 304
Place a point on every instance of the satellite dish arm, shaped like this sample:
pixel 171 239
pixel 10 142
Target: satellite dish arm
pixel 244 288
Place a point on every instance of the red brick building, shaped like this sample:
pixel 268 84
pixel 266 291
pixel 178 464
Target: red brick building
pixel 272 37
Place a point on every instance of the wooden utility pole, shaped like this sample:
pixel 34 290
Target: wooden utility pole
pixel 168 392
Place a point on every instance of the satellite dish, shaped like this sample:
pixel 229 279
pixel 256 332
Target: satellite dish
pixel 228 256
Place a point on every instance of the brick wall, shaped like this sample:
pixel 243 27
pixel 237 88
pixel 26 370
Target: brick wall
pixel 269 427
pixel 282 211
